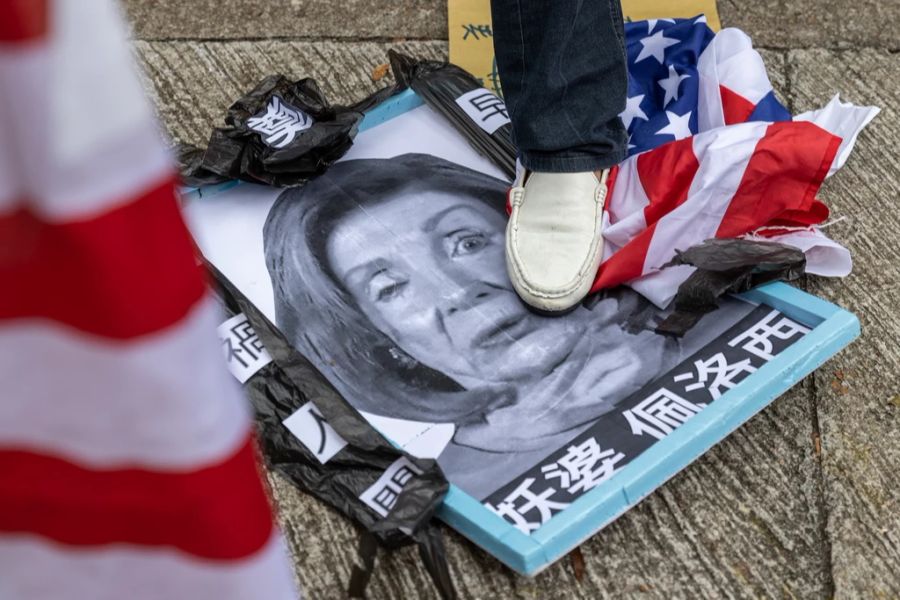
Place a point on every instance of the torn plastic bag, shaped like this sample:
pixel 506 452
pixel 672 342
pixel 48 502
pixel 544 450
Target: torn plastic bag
pixel 190 165
pixel 726 266
pixel 289 382
pixel 477 113
pixel 280 133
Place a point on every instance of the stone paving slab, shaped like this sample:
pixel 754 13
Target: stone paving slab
pixel 267 19
pixel 772 23
pixel 858 393
pixel 194 83
pixel 732 525
pixel 747 520
pixel 815 23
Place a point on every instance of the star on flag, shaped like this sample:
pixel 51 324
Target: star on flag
pixel 633 110
pixel 655 45
pixel 679 125
pixel 670 84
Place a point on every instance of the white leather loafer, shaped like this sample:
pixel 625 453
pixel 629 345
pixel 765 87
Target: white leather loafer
pixel 554 240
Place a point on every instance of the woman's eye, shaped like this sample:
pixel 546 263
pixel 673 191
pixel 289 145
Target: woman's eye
pixel 468 243
pixel 389 291
pixel 384 286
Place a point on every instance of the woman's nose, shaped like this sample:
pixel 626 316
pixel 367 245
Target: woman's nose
pixel 464 297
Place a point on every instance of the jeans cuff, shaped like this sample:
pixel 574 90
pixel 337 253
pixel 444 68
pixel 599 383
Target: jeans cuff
pixel 568 162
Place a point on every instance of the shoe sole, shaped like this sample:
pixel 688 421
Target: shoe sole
pixel 551 313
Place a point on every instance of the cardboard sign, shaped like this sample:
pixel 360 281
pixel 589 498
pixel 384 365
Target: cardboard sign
pixel 472 34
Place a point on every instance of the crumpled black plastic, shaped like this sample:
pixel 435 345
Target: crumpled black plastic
pixel 239 152
pixel 277 390
pixel 726 266
pixel 190 165
pixel 439 84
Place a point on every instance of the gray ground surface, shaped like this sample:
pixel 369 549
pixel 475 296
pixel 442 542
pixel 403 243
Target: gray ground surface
pixel 801 502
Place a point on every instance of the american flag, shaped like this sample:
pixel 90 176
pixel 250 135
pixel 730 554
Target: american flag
pixel 713 153
pixel 127 463
pixel 684 79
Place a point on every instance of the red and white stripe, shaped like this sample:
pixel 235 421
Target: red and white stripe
pixel 724 183
pixel 126 448
pixel 844 120
pixel 733 80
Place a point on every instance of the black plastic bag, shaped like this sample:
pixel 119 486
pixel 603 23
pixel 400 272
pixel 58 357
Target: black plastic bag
pixel 277 390
pixel 440 84
pixel 726 266
pixel 190 165
pixel 280 133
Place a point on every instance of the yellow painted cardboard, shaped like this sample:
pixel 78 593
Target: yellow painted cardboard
pixel 472 40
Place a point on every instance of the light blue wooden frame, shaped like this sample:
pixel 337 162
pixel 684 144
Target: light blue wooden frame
pixel 832 329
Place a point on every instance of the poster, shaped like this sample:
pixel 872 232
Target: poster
pixel 472 38
pixel 388 274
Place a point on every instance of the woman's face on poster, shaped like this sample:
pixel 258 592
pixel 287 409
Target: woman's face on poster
pixel 428 269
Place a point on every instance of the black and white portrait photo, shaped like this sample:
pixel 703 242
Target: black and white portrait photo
pixel 387 272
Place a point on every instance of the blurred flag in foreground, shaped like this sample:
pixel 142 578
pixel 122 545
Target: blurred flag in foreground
pixel 127 466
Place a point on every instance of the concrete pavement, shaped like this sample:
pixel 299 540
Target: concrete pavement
pixel 801 502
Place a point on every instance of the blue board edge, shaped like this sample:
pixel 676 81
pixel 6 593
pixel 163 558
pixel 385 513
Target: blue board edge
pixel 833 328
pixel 390 108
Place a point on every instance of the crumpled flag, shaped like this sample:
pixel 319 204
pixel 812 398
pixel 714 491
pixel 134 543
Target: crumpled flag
pixel 749 179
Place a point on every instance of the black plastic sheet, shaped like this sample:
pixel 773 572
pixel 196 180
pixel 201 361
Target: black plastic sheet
pixel 281 132
pixel 190 165
pixel 726 266
pixel 439 84
pixel 277 390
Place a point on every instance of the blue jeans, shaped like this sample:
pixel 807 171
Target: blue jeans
pixel 563 72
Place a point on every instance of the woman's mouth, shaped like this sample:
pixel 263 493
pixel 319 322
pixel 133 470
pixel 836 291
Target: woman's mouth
pixel 505 331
